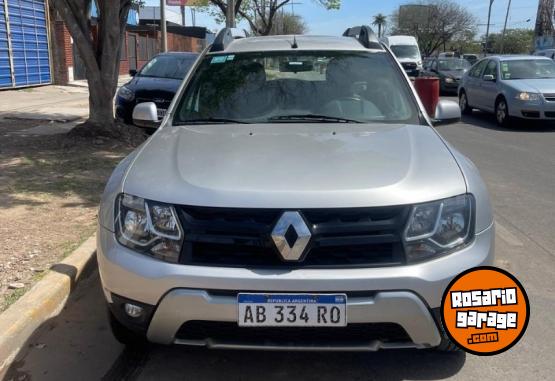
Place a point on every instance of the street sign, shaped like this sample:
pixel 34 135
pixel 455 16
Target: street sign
pixel 178 3
pixel 190 3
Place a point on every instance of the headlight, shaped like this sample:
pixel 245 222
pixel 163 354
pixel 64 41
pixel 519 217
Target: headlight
pixel 525 96
pixel 439 227
pixel 449 80
pixel 148 227
pixel 126 93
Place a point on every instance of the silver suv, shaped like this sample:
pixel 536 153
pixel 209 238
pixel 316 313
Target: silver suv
pixel 296 197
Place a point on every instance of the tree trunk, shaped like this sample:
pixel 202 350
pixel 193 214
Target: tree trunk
pixel 101 56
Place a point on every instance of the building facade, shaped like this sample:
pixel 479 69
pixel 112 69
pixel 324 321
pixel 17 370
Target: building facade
pixel 24 44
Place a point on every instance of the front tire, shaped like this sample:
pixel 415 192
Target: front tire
pixel 502 116
pixel 463 103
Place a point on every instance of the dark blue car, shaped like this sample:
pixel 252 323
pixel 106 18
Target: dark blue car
pixel 156 82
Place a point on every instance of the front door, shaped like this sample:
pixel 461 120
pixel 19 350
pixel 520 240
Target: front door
pixel 488 89
pixel 132 51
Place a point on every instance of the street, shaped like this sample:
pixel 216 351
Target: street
pixel 518 167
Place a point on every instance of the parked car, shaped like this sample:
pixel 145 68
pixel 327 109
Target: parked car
pixel 156 82
pixel 471 58
pixel 549 53
pixel 511 87
pixel 284 207
pixel 407 52
pixel 449 71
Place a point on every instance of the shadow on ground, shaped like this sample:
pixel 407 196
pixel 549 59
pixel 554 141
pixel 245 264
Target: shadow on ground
pixel 486 120
pixel 78 342
pixel 42 164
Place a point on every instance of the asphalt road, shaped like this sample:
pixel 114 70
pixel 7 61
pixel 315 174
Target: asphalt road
pixel 519 168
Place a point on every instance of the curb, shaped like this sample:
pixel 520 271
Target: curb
pixel 43 301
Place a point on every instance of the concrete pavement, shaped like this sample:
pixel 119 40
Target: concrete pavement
pixel 518 166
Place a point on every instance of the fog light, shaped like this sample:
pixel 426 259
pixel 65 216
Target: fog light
pixel 132 310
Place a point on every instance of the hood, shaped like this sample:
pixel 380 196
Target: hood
pixel 151 87
pixel 533 85
pixel 295 166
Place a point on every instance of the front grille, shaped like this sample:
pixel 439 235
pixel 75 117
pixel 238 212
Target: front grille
pixel 409 65
pixel 550 114
pixel 352 333
pixel 352 237
pixel 549 97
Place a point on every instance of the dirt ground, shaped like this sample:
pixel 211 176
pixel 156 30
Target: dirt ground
pixel 49 194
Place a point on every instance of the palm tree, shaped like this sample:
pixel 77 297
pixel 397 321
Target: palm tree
pixel 380 21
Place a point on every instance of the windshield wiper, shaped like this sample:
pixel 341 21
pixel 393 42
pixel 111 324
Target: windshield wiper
pixel 209 120
pixel 313 117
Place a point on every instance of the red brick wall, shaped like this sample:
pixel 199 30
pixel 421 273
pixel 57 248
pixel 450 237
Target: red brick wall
pixel 62 53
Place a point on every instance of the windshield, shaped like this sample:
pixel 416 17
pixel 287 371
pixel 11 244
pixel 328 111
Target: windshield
pixel 279 87
pixel 528 69
pixel 168 66
pixel 454 64
pixel 405 51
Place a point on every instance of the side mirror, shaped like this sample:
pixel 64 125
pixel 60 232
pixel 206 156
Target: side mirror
pixel 489 78
pixel 145 115
pixel 132 72
pixel 447 112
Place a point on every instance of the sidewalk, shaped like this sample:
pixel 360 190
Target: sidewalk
pixel 52 103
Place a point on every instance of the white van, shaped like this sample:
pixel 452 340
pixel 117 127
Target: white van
pixel 407 52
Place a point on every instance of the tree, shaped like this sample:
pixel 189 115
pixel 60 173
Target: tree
pixel 100 53
pixel 288 23
pixel 443 21
pixel 261 14
pixel 380 21
pixel 517 41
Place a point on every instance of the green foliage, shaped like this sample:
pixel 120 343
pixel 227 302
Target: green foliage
pixel 380 20
pixel 517 41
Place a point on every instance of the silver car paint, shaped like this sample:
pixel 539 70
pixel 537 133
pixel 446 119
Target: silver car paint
pixel 421 167
pixel 488 92
pixel 295 166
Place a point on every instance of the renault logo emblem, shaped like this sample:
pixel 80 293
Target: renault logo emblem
pixel 291 236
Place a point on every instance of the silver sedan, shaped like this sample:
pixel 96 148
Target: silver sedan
pixel 511 87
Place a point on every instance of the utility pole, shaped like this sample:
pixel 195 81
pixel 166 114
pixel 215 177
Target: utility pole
pixel 505 27
pixel 230 16
pixel 163 30
pixel 183 15
pixel 487 29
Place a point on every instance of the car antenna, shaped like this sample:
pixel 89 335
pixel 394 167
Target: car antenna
pixel 294 44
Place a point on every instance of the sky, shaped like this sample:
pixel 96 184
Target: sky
pixel 358 12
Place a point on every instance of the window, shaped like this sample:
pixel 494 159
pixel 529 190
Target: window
pixel 168 66
pixel 477 69
pixel 491 69
pixel 528 69
pixel 273 87
pixel 406 51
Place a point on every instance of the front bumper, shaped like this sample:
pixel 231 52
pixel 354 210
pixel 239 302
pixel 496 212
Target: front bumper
pixel 541 110
pixel 403 295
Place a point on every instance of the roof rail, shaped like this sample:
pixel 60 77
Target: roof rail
pixel 225 37
pixel 365 35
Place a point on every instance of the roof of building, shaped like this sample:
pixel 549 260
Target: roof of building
pixel 280 43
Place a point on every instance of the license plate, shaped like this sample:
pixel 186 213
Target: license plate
pixel 161 113
pixel 292 310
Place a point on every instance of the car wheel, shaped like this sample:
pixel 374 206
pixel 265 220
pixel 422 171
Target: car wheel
pixel 502 113
pixel 463 104
pixel 446 345
pixel 124 335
